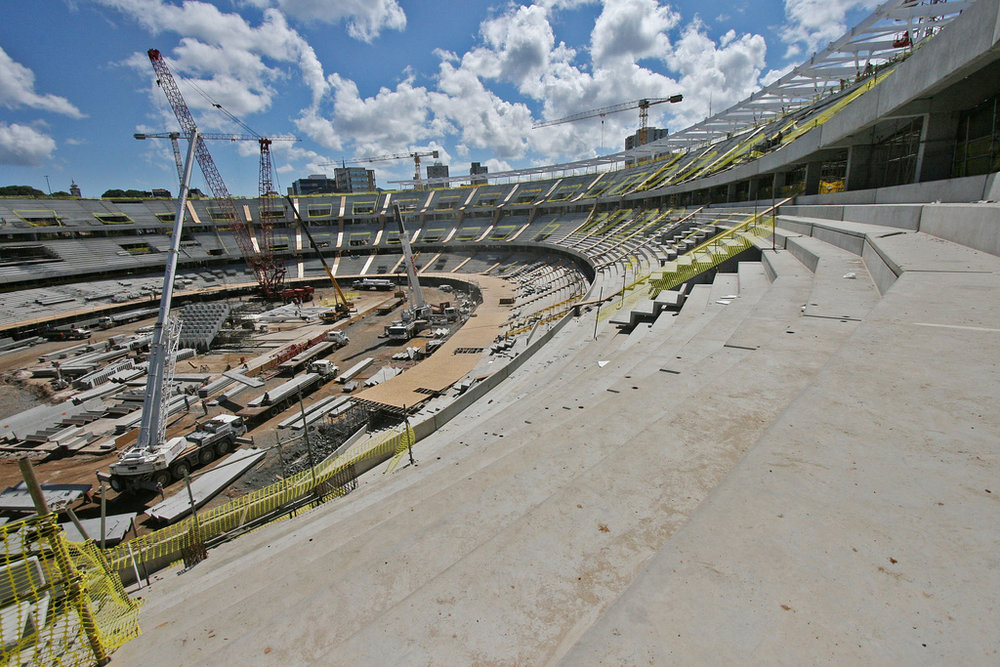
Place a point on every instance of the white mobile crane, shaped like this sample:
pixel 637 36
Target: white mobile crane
pixel 416 316
pixel 153 460
pixel 147 462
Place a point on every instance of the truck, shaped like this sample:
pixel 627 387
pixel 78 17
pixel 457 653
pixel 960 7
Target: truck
pixel 400 330
pixel 138 469
pixel 325 368
pixel 338 338
pixel 65 333
pixel 381 284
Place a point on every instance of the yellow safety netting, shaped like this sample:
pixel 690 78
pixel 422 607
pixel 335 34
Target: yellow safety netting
pixel 60 604
pixel 324 481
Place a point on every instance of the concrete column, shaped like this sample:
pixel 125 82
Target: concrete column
pixel 938 147
pixel 813 172
pixel 858 167
pixel 731 192
pixel 777 184
pixel 754 189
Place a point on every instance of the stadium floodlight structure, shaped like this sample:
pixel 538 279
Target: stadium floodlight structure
pixel 895 28
pixel 269 272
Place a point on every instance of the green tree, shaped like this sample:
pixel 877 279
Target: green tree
pixel 20 191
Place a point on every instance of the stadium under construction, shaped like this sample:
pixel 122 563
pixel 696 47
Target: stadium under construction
pixel 728 396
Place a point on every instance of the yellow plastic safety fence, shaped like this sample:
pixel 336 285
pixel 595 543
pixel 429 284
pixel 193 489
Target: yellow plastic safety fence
pixel 59 602
pixel 324 481
pixel 714 251
pixel 543 316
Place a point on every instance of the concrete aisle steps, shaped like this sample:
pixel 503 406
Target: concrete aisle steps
pixel 867 500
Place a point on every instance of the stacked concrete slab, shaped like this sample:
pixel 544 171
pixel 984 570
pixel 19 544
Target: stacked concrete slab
pixel 200 323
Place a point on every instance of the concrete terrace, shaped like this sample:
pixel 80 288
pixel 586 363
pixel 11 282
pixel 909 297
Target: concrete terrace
pixel 805 474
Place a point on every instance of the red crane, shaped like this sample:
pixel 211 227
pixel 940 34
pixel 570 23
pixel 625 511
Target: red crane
pixel 257 251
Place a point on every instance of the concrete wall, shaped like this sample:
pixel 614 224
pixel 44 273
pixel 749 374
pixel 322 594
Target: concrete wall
pixel 967 189
pixel 975 226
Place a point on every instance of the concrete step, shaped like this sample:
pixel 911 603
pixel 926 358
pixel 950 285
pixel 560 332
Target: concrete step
pixel 842 288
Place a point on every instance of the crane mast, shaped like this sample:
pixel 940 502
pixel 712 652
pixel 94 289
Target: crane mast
pixel 417 304
pixel 153 426
pixel 270 274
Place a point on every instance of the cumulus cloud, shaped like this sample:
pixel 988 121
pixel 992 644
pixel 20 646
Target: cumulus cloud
pixel 517 47
pixel 365 19
pixel 636 51
pixel 230 59
pixel 631 30
pixel 812 24
pixel 483 119
pixel 715 74
pixel 17 89
pixel 24 146
pixel 390 118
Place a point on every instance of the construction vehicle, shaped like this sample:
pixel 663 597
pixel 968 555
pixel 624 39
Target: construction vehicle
pixel 339 338
pixel 297 294
pixel 174 462
pixel 342 307
pixel 255 245
pixel 153 460
pixel 380 284
pixel 65 333
pixel 401 331
pixel 444 311
pixel 642 134
pixel 416 316
pixel 325 368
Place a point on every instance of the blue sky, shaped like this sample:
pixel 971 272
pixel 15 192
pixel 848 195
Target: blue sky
pixel 356 78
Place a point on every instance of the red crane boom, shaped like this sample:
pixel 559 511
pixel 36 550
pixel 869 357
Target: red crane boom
pixel 269 272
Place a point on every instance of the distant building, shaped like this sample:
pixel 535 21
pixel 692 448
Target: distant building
pixel 475 170
pixel 354 179
pixel 645 136
pixel 159 193
pixel 438 171
pixel 74 189
pixel 313 185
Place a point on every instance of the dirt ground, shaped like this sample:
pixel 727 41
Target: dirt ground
pixel 18 393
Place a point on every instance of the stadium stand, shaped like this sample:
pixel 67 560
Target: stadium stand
pixel 788 456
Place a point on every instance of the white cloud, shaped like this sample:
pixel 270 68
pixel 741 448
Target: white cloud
pixel 631 30
pixel 231 58
pixel 24 146
pixel 518 47
pixel 390 119
pixel 717 74
pixel 17 89
pixel 812 24
pixel 365 19
pixel 482 118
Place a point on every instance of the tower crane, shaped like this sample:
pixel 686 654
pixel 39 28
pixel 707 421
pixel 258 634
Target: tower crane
pixel 268 207
pixel 642 105
pixel 269 272
pixel 217 136
pixel 415 155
